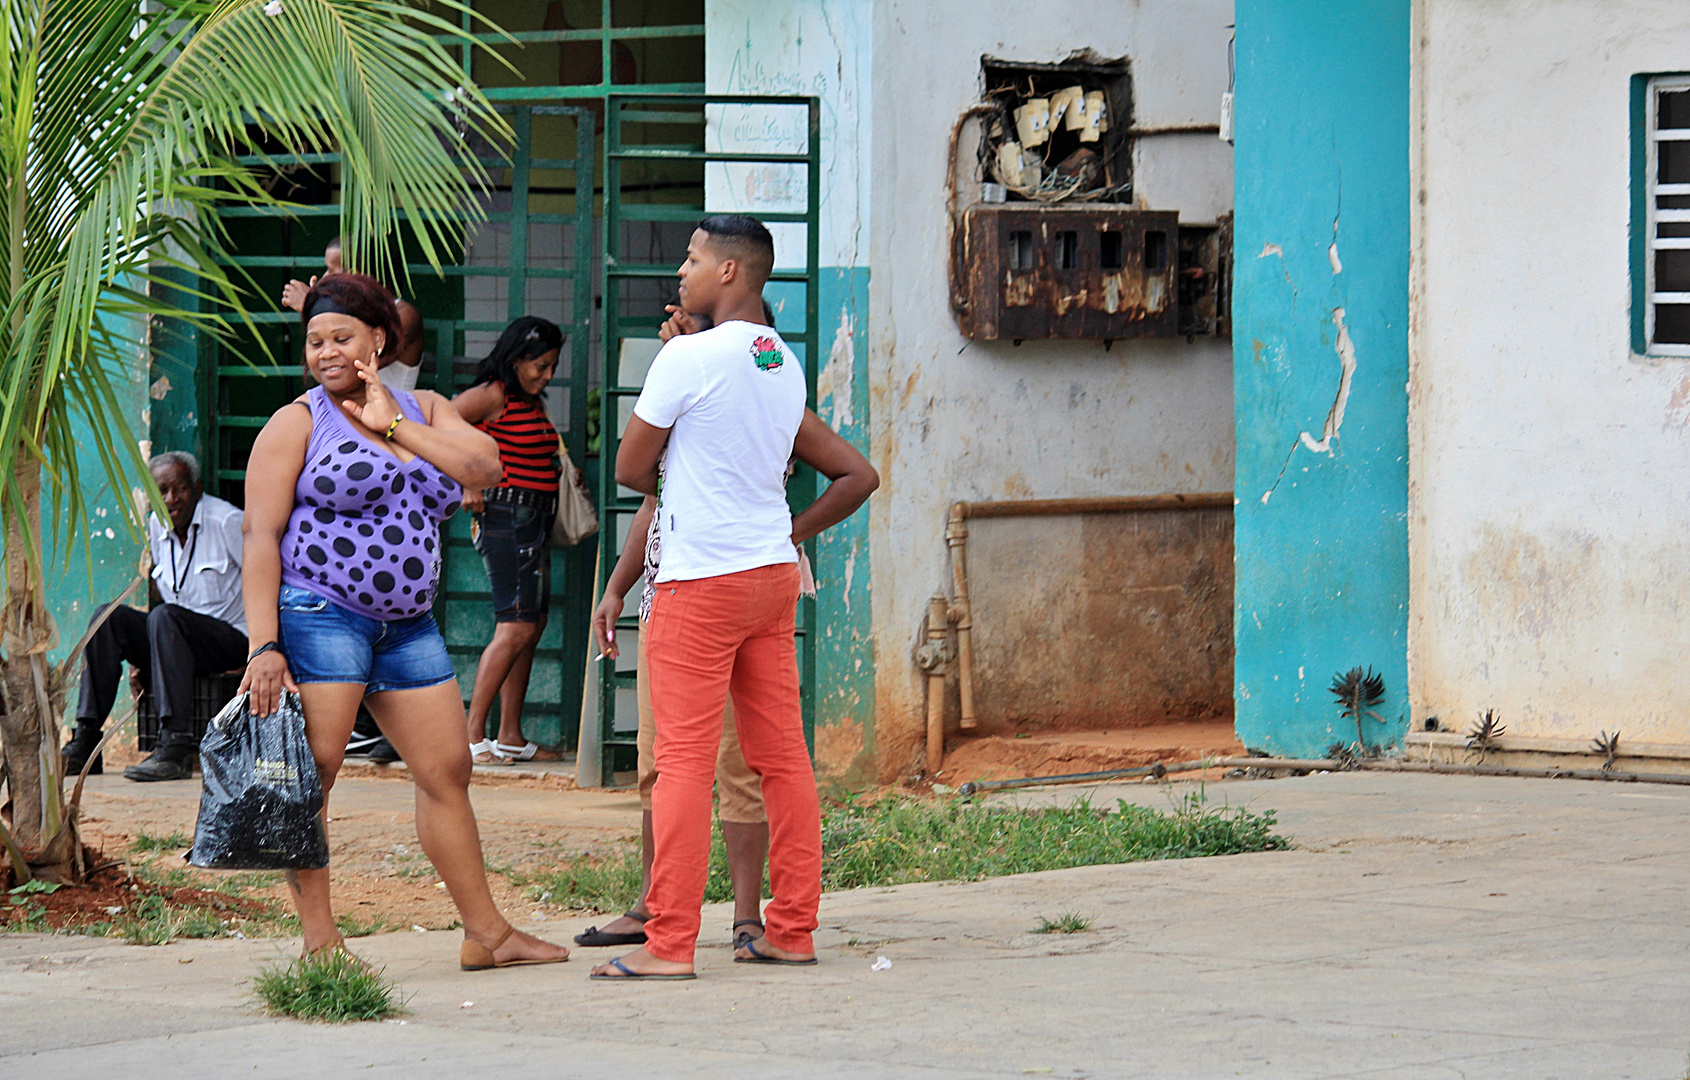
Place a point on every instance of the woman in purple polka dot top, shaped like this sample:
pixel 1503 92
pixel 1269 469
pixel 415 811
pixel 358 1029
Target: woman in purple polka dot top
pixel 345 492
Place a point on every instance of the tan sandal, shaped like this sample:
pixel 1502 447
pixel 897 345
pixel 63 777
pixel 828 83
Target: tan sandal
pixel 474 956
pixel 338 945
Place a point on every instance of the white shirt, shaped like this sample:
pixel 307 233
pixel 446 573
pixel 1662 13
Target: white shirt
pixel 733 397
pixel 203 573
pixel 397 376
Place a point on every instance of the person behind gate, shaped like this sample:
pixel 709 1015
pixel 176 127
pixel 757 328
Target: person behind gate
pixel 195 627
pixel 726 404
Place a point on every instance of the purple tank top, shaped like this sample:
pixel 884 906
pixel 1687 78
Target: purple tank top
pixel 365 527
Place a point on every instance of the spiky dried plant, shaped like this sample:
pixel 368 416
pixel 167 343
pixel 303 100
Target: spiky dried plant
pixel 1359 693
pixel 1608 746
pixel 1482 736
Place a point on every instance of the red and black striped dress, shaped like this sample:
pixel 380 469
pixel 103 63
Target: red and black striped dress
pixel 527 445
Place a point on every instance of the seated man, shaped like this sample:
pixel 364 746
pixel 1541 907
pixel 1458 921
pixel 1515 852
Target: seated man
pixel 197 625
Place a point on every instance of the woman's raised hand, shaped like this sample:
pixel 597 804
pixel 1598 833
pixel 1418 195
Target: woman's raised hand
pixel 379 408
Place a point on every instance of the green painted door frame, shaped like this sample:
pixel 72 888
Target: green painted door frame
pixel 238 397
pixel 617 711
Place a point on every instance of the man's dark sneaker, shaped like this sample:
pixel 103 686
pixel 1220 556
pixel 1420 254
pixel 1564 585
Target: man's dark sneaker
pixel 166 763
pixel 77 750
pixel 383 753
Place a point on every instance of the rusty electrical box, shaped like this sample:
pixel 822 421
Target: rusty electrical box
pixel 1099 273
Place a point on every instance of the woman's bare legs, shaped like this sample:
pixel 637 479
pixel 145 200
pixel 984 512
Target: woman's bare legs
pixel 513 695
pixel 330 710
pixel 422 725
pixel 512 643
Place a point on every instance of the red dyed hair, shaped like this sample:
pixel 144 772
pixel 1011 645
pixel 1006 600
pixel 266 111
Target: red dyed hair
pixel 362 297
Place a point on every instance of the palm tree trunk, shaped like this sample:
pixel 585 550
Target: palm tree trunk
pixel 29 712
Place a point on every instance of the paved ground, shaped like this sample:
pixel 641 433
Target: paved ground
pixel 1427 927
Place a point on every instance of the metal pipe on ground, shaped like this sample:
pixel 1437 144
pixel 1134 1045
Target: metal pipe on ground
pixel 1328 765
pixel 961 612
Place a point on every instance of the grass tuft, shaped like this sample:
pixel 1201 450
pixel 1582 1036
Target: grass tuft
pixel 1069 922
pixel 900 840
pixel 334 986
pixel 146 842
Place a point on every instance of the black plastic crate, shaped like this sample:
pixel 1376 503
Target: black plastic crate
pixel 211 693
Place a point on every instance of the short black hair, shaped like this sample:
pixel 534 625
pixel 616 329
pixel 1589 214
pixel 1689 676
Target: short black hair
pixel 524 339
pixel 742 237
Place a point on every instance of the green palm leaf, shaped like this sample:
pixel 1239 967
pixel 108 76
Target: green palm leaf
pixel 121 123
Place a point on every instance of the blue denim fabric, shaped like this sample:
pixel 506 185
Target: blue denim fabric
pixel 514 541
pixel 327 643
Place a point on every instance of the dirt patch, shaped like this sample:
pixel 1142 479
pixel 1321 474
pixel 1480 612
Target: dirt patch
pixel 112 894
pixel 528 823
pixel 1054 753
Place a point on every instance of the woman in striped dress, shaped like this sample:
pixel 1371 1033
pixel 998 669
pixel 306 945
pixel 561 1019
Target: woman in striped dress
pixel 511 526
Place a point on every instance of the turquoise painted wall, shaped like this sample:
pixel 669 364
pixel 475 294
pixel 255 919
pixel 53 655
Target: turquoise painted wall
pixel 1322 250
pixel 87 571
pixel 820 47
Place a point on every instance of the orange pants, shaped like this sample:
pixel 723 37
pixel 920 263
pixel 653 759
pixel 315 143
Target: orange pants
pixel 705 638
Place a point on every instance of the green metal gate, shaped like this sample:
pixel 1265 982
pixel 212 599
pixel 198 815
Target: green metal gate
pixel 633 293
pixel 457 310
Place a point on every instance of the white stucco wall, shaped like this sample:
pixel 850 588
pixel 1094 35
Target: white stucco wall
pixel 992 420
pixel 1550 474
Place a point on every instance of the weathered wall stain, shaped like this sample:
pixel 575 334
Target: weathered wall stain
pixel 1102 621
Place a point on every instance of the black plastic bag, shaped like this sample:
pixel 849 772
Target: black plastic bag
pixel 262 802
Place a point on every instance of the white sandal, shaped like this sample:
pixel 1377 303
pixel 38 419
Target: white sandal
pixel 525 752
pixel 487 746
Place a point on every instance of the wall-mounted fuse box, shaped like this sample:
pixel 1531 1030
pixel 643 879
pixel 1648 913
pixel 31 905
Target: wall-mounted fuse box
pixel 1097 273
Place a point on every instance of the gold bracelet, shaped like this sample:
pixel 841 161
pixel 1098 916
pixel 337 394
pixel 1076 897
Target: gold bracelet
pixel 391 428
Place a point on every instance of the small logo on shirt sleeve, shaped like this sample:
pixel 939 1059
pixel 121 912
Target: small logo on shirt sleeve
pixel 766 351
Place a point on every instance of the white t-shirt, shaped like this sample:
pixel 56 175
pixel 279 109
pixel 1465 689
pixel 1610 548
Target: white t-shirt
pixel 733 396
pixel 203 574
pixel 397 376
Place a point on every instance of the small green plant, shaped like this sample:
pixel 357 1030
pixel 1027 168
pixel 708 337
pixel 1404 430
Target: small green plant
pixel 1608 746
pixel 1359 693
pixel 146 843
pixel 1482 737
pixel 1069 922
pixel 334 986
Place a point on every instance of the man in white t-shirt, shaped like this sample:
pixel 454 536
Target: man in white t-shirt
pixel 726 404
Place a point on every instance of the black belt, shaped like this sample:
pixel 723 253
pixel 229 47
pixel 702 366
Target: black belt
pixel 515 496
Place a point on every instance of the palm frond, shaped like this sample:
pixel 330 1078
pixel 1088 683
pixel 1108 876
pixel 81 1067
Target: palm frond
pixel 120 133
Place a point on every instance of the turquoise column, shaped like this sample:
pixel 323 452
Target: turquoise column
pixel 1320 357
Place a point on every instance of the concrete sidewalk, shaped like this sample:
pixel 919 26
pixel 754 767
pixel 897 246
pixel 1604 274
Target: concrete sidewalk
pixel 1426 927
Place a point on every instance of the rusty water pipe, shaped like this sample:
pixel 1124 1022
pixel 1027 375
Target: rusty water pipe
pixel 931 658
pixel 956 538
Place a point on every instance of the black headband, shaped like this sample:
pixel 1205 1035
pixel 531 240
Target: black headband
pixel 326 305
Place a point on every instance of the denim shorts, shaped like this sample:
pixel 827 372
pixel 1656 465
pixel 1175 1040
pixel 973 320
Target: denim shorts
pixel 514 541
pixel 325 643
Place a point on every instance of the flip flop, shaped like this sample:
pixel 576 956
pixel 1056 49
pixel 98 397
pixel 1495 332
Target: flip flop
pixel 741 937
pixel 474 956
pixel 630 973
pixel 593 938
pixel 526 752
pixel 758 958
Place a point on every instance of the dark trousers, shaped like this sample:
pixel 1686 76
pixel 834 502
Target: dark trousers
pixel 168 646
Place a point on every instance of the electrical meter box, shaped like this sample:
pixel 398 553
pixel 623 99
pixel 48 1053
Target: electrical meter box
pixel 1098 273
